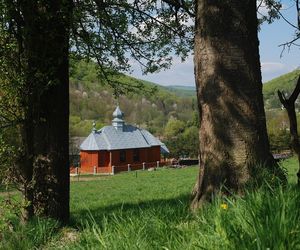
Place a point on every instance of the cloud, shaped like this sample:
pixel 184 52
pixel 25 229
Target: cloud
pixel 180 73
pixel 272 66
pixel 271 70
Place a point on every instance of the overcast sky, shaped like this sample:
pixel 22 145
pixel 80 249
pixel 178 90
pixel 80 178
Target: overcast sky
pixel 272 63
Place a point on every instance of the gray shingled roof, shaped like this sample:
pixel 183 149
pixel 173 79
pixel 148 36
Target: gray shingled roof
pixel 120 136
pixel 109 138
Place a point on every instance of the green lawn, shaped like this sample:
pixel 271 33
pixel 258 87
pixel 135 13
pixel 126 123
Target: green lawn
pixel 131 190
pixel 149 210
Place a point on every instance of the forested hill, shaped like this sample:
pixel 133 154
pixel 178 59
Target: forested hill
pixel 184 91
pixel 91 100
pixel 285 82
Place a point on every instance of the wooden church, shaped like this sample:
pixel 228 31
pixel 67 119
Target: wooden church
pixel 120 147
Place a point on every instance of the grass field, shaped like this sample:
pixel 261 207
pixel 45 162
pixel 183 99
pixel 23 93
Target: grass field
pixel 150 210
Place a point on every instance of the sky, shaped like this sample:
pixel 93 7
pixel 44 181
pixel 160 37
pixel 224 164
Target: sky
pixel 274 62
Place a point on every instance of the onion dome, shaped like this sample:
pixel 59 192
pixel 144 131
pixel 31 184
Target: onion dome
pixel 118 121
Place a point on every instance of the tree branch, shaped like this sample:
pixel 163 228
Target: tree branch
pixel 282 98
pixel 283 17
pixel 298 12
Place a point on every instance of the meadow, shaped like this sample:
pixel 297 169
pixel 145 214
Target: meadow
pixel 150 210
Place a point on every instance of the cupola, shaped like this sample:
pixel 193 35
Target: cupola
pixel 118 121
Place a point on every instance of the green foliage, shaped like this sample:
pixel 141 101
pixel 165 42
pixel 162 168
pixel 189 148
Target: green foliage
pixel 8 152
pixel 174 127
pixel 272 7
pixel 11 110
pixel 80 127
pixel 184 91
pixel 8 212
pixel 182 138
pixel 185 144
pixel 191 141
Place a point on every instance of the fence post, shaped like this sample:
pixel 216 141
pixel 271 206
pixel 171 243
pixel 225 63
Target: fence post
pixel 113 170
pixel 76 170
pixel 129 168
pixel 144 165
pixel 157 164
pixel 95 170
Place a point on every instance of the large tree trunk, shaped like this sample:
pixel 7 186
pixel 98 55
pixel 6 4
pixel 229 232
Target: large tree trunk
pixel 233 134
pixel 46 45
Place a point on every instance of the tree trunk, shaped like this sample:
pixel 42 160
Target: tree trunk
pixel 46 45
pixel 233 135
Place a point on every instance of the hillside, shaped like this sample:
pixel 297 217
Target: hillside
pixel 184 91
pixel 285 82
pixel 91 100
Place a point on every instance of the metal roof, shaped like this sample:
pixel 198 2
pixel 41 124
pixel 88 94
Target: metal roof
pixel 110 138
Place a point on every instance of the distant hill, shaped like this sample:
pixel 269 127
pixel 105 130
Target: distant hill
pixel 91 100
pixel 180 90
pixel 284 83
pixel 182 87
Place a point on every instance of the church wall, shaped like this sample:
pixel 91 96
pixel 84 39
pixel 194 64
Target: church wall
pixel 154 154
pixel 88 160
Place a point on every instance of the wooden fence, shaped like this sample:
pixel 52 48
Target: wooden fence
pixel 118 169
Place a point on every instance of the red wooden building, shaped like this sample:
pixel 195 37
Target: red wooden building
pixel 119 147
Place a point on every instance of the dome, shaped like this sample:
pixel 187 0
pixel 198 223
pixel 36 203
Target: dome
pixel 118 113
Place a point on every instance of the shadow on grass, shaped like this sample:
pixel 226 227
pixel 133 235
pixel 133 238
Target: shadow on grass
pixel 164 209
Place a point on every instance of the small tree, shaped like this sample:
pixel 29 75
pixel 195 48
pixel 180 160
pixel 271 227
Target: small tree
pixel 289 105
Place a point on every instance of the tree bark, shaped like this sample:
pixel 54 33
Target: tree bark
pixel 233 135
pixel 46 45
